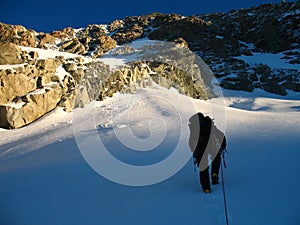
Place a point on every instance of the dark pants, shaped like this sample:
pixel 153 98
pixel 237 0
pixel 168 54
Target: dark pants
pixel 204 174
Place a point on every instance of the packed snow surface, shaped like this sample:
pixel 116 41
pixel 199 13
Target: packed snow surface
pixel 46 180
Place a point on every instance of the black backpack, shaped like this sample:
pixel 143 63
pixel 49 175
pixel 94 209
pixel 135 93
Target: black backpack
pixel 200 130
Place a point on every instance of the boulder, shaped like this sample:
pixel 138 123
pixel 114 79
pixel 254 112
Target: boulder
pixel 70 66
pixel 10 54
pixel 181 43
pixel 69 31
pixel 30 107
pixel 7 32
pixel 74 46
pixel 104 44
pixel 14 84
pixel 49 64
pixel 27 38
pixel 63 34
pixel 17 34
pixel 128 34
pixel 67 102
pixel 273 86
pixel 237 83
pixel 107 43
pixel 46 39
pixel 116 24
pixel 96 30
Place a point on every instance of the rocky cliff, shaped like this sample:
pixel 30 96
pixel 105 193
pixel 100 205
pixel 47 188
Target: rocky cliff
pixel 33 88
pixel 233 44
pixel 228 41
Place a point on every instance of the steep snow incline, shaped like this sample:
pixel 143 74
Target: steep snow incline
pixel 45 180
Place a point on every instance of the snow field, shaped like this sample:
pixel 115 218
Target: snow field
pixel 45 180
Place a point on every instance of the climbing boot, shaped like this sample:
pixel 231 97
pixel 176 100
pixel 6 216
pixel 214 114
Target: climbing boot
pixel 207 191
pixel 214 178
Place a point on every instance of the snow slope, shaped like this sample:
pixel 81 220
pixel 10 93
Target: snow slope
pixel 46 180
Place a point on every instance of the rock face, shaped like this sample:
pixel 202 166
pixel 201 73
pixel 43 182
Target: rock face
pixel 46 39
pixel 31 87
pixel 30 107
pixel 128 34
pixel 29 91
pixel 10 54
pixel 18 35
pixel 106 43
pixel 220 38
pixel 100 82
pixel 74 46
